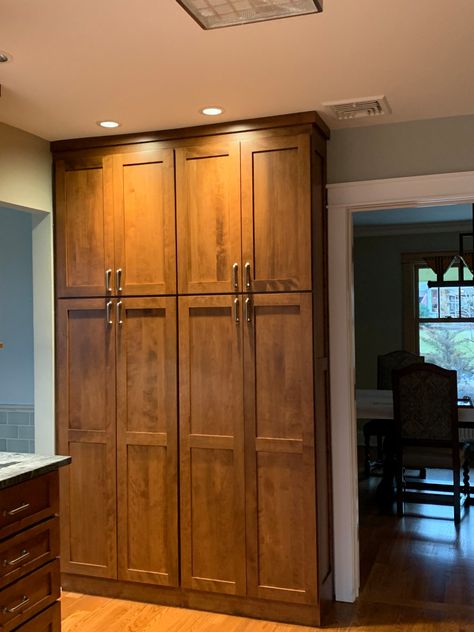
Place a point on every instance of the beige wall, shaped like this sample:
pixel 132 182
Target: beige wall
pixel 25 170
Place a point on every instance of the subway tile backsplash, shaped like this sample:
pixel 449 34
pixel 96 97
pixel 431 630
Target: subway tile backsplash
pixel 17 428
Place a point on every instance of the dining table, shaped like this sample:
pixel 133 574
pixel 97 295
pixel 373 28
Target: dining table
pixel 378 404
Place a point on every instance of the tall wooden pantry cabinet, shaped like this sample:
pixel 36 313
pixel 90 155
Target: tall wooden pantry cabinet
pixel 192 367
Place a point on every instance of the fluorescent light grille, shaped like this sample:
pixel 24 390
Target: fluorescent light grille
pixel 213 14
pixel 358 108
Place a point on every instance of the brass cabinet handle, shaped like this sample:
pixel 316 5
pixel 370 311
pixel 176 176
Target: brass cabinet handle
pixel 17 510
pixel 12 609
pixel 248 310
pixel 118 279
pixel 247 276
pixel 108 313
pixel 119 313
pixel 23 556
pixel 235 309
pixel 235 276
pixel 108 278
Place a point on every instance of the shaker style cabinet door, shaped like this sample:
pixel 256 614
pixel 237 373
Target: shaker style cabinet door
pixel 276 214
pixel 211 445
pixel 145 240
pixel 86 432
pixel 84 226
pixel 280 463
pixel 208 218
pixel 147 435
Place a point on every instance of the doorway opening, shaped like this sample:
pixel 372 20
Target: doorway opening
pixel 26 331
pixel 344 200
pixel 417 559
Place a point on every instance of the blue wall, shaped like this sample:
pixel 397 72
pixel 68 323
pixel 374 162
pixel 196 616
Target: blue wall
pixel 16 308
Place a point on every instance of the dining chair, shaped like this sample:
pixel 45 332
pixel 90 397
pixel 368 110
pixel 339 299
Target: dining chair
pixel 380 428
pixel 427 434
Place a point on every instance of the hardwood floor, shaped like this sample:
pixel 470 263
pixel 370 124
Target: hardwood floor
pixel 417 575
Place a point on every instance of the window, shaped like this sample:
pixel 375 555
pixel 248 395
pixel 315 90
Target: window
pixel 442 320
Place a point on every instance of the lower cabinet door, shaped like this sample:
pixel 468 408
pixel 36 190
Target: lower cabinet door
pixel 147 441
pixel 211 444
pixel 29 596
pixel 280 462
pixel 85 412
pixel 47 621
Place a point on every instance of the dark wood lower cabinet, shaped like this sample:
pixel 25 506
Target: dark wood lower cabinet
pixel 246 469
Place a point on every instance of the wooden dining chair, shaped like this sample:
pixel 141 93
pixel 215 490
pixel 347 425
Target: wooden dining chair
pixel 380 428
pixel 427 434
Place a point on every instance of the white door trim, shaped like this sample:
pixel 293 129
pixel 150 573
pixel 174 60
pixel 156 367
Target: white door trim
pixel 343 200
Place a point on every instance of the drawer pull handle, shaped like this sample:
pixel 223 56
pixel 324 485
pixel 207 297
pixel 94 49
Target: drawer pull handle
pixel 17 510
pixel 23 556
pixel 20 605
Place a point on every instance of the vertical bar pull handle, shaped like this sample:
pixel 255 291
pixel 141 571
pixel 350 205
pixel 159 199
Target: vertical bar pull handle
pixel 235 276
pixel 119 313
pixel 108 314
pixel 118 279
pixel 235 309
pixel 248 310
pixel 247 276
pixel 108 278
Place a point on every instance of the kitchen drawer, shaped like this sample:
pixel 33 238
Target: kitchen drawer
pixel 27 503
pixel 47 621
pixel 29 596
pixel 30 549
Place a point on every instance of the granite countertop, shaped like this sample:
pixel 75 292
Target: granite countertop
pixel 16 467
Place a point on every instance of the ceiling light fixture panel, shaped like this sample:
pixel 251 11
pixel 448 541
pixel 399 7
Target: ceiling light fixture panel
pixel 214 14
pixel 212 110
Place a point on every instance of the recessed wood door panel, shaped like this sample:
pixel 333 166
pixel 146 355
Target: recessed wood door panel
pixel 211 444
pixel 280 464
pixel 145 240
pixel 276 214
pixel 147 440
pixel 86 431
pixel 208 218
pixel 84 226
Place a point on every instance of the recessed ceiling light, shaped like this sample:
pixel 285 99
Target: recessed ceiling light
pixel 214 14
pixel 4 57
pixel 212 111
pixel 108 124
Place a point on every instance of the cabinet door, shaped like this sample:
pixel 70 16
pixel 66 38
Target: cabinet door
pixel 208 218
pixel 147 441
pixel 86 431
pixel 83 225
pixel 145 241
pixel 280 464
pixel 276 214
pixel 211 445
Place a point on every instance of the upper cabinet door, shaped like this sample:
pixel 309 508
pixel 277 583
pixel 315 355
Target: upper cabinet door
pixel 145 239
pixel 208 218
pixel 84 226
pixel 276 214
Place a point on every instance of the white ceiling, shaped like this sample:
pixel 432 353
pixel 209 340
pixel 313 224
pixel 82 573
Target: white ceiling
pixel 147 64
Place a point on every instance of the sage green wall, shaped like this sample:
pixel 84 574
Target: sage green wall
pixel 402 149
pixel 378 295
pixel 25 170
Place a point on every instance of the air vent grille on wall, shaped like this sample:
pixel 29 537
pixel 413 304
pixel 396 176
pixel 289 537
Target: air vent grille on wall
pixel 358 108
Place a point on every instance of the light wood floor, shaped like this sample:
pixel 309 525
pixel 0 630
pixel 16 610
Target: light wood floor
pixel 417 575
